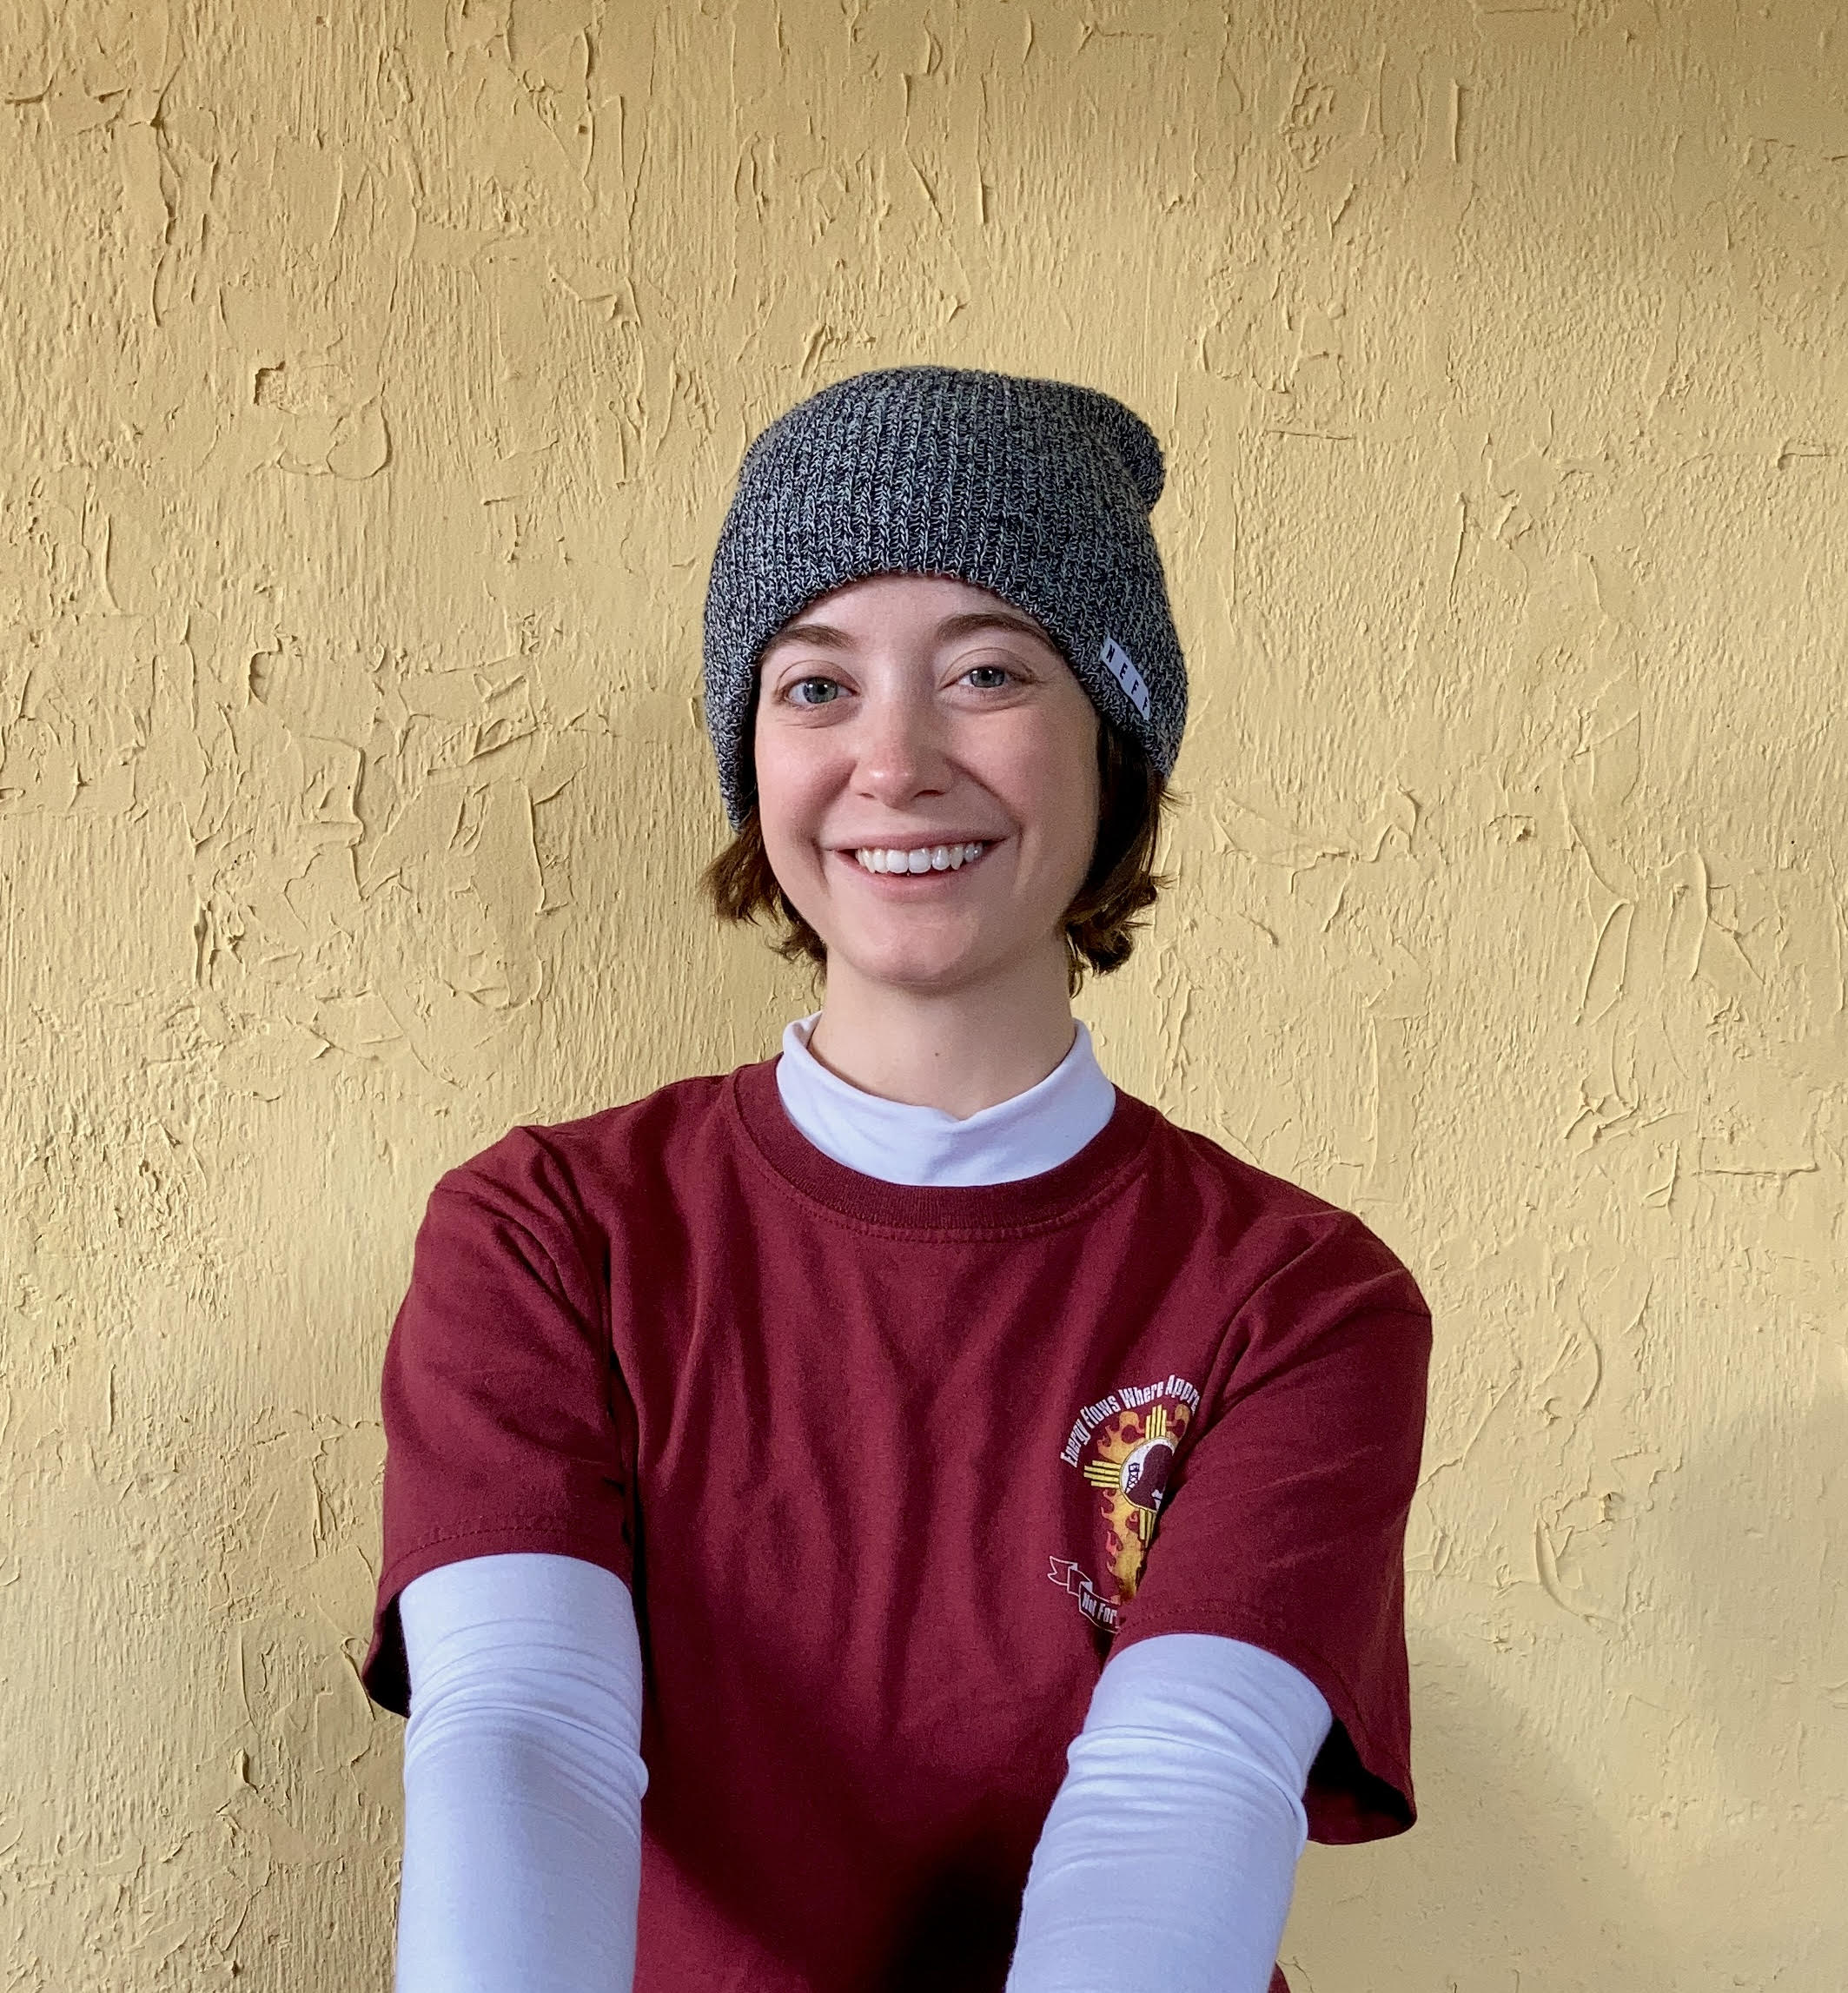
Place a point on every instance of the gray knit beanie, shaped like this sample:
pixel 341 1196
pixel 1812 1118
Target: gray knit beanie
pixel 1036 490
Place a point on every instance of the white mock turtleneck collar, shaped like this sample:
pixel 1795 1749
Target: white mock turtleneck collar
pixel 1033 1132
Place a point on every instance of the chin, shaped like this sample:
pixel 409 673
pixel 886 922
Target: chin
pixel 912 964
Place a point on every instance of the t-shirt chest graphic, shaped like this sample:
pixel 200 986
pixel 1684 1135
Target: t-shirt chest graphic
pixel 1124 1446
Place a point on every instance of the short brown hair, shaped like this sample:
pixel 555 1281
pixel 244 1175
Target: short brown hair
pixel 1100 925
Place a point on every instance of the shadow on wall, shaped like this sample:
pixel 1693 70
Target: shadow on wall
pixel 1510 1880
pixel 1710 1856
pixel 1755 1587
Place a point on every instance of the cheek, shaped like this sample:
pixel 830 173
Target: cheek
pixel 1062 792
pixel 790 788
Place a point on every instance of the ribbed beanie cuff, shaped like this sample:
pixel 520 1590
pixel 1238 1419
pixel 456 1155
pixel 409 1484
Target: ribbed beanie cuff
pixel 1036 490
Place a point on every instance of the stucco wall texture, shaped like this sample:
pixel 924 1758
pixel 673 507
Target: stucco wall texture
pixel 372 379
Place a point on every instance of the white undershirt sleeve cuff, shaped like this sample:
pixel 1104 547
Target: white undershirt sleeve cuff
pixel 1168 1858
pixel 523 1778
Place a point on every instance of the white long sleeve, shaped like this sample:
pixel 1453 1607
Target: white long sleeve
pixel 523 1782
pixel 1168 1859
pixel 1171 1849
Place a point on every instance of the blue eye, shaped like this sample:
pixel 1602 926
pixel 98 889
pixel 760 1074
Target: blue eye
pixel 824 691
pixel 988 678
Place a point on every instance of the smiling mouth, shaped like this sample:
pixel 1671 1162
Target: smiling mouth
pixel 918 858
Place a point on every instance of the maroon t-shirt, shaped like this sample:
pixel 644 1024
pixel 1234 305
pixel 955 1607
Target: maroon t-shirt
pixel 890 1470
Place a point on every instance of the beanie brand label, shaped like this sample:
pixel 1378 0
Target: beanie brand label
pixel 1119 662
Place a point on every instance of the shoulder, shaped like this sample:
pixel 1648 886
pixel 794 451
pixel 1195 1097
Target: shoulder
pixel 1273 1226
pixel 576 1170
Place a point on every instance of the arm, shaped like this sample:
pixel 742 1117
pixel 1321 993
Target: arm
pixel 523 1782
pixel 1169 1856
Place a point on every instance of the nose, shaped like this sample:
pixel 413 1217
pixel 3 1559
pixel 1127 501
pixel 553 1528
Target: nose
pixel 904 752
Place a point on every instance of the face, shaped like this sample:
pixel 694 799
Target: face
pixel 927 780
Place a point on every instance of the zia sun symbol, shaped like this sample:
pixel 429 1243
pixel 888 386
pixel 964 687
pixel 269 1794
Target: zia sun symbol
pixel 1134 1452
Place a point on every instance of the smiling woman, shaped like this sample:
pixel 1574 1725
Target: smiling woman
pixel 937 721
pixel 1098 925
pixel 735 1433
pixel 940 808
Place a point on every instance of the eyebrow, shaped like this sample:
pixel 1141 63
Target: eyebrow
pixel 970 623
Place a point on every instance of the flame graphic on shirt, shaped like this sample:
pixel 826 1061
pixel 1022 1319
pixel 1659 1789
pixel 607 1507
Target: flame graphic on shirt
pixel 1134 1451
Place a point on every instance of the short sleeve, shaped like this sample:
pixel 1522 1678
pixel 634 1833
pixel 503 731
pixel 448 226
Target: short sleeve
pixel 1284 1524
pixel 507 1425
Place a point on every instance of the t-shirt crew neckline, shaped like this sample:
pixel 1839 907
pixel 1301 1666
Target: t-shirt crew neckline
pixel 1061 1195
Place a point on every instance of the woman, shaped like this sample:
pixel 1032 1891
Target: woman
pixel 735 1433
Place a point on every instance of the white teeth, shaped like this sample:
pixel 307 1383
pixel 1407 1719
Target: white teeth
pixel 926 859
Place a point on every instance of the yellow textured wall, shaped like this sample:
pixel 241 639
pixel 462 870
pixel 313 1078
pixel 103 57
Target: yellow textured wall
pixel 372 378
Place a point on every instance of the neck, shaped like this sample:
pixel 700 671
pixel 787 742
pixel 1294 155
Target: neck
pixel 960 1051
